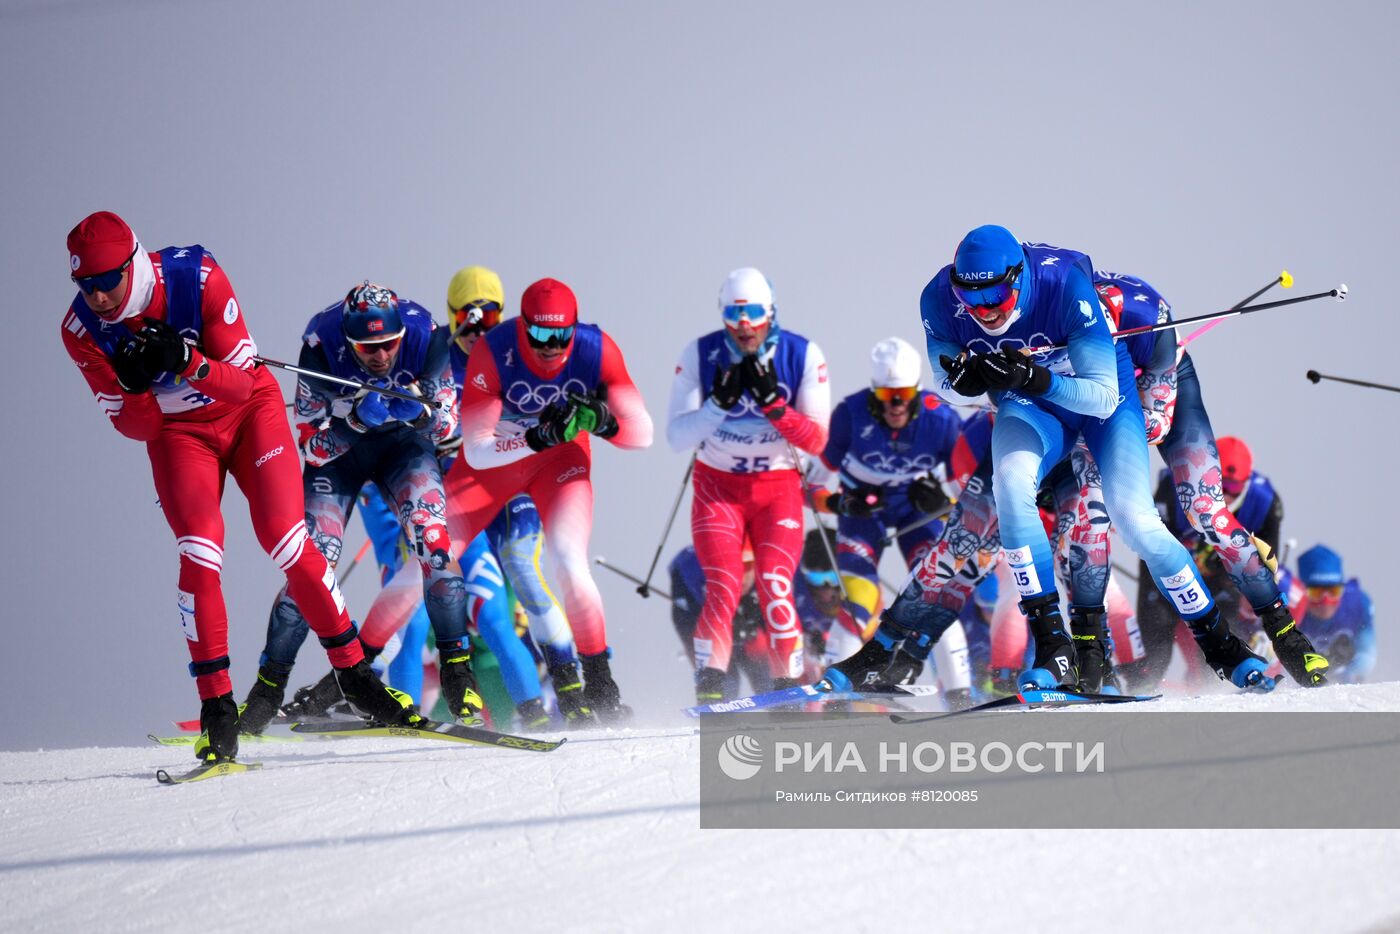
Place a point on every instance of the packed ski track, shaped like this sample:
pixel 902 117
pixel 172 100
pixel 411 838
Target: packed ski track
pixel 603 834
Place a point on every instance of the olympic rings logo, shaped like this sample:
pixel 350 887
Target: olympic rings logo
pixel 747 407
pixel 898 463
pixel 530 399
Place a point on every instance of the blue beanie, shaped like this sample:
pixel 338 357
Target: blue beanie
pixel 986 253
pixel 1320 566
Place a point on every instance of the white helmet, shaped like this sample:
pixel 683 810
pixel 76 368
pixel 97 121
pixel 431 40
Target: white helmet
pixel 746 286
pixel 894 363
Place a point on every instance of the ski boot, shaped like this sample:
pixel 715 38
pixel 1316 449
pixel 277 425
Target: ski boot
pixel 905 669
pixel 600 690
pixel 218 736
pixel 568 696
pixel 1002 682
pixel 1227 656
pixel 532 715
pixel 867 667
pixel 709 686
pixel 1056 665
pixel 372 698
pixel 958 698
pixel 459 686
pixel 1089 625
pixel 1304 664
pixel 314 700
pixel 263 701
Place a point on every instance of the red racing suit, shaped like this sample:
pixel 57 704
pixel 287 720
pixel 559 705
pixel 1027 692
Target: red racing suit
pixel 232 420
pixel 747 486
pixel 503 393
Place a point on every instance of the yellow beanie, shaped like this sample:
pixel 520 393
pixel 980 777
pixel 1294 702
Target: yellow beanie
pixel 475 284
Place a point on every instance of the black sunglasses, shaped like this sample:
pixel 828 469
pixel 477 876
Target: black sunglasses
pixel 104 281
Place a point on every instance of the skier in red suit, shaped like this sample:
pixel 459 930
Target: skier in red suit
pixel 161 340
pixel 535 389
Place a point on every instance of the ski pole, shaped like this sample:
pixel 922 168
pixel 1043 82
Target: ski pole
pixel 359 556
pixel 1315 376
pixel 817 520
pixel 603 562
pixel 1284 279
pixel 1339 293
pixel 353 384
pixel 906 529
pixel 645 586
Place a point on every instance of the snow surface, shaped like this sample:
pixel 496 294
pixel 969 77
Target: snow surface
pixel 603 835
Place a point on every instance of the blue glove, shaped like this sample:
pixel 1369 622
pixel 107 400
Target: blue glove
pixel 370 411
pixel 415 413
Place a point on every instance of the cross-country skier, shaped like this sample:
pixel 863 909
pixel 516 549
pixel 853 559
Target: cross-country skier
pixel 997 299
pixel 163 344
pixel 1337 614
pixel 534 390
pixel 1215 494
pixel 899 453
pixel 350 438
pixel 750 656
pixel 748 396
pixel 892 446
pixel 475 303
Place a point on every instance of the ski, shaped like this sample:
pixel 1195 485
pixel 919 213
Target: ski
pixel 431 729
pixel 803 693
pixel 1032 698
pixel 187 739
pixel 206 770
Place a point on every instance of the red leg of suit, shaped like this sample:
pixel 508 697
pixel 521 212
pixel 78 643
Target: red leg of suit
pixel 559 481
pixel 717 528
pixel 188 462
pixel 775 530
pixel 767 507
pixel 263 460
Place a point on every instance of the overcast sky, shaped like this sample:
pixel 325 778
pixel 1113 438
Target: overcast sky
pixel 640 151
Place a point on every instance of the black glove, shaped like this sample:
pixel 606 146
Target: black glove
pixel 1011 369
pixel 604 422
pixel 550 429
pixel 728 387
pixel 926 495
pixel 130 364
pixel 761 380
pixel 963 376
pixel 859 503
pixel 165 350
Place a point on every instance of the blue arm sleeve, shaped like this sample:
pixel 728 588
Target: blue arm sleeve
pixel 838 439
pixel 1093 389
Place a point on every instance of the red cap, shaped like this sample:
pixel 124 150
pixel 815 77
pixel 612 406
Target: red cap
pixel 1236 460
pixel 549 303
pixel 102 241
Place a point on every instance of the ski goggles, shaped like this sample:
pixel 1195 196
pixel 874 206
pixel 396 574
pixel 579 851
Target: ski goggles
pixel 541 338
pixel 905 394
pixel 754 314
pixel 388 345
pixel 996 292
pixel 1331 593
pixel 104 281
pixel 477 316
pixel 821 578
